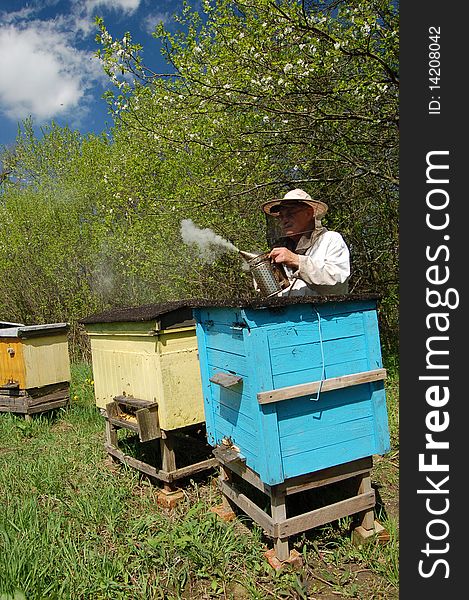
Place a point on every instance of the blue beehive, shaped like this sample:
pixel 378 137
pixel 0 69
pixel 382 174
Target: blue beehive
pixel 294 385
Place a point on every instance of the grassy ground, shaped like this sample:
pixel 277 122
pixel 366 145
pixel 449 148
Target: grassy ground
pixel 73 525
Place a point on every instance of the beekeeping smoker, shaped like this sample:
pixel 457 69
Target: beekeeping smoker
pixel 316 261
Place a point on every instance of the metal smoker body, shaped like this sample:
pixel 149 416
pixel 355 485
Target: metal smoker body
pixel 269 276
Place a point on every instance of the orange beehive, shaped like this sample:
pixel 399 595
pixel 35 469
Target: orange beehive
pixel 34 366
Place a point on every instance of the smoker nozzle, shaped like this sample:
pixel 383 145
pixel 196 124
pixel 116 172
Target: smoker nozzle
pixel 248 255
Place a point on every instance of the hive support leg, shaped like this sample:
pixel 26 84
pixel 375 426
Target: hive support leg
pixel 279 515
pixel 111 434
pixel 367 527
pixel 225 510
pixel 367 517
pixel 168 458
pixel 227 504
pixel 169 495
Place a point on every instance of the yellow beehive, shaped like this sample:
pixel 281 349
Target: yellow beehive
pixel 34 356
pixel 148 353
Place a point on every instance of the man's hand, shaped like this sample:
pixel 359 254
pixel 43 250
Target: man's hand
pixel 285 256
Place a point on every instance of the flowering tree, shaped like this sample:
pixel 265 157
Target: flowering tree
pixel 264 96
pixel 258 98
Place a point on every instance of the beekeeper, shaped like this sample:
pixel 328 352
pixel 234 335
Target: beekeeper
pixel 317 261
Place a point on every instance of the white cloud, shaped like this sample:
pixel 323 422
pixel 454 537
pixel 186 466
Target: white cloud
pixel 83 13
pixel 152 20
pixel 128 6
pixel 42 74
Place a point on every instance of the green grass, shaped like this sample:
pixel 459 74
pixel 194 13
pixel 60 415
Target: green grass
pixel 75 526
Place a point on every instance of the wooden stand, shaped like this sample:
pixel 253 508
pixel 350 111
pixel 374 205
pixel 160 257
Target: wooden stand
pixel 38 400
pixel 278 525
pixel 141 417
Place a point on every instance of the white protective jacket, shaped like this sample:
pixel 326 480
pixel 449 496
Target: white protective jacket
pixel 324 267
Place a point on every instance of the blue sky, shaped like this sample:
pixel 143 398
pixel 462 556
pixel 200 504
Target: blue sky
pixel 48 70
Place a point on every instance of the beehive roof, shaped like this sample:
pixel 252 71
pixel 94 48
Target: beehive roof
pixel 182 309
pixel 27 331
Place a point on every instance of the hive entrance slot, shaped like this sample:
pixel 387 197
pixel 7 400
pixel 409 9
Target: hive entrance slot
pixel 137 415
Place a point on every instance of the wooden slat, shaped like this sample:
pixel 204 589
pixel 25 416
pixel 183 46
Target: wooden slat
pixel 335 383
pixel 10 402
pixel 25 405
pixel 225 454
pixel 134 402
pixel 47 406
pixel 141 466
pixel 148 423
pixel 248 506
pixel 59 395
pixel 18 408
pixel 124 424
pixel 203 465
pixel 12 392
pixel 326 476
pixel 226 380
pixel 165 476
pixel 326 514
pixel 237 464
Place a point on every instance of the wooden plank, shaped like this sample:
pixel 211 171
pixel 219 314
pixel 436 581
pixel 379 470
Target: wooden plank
pixel 124 424
pixel 13 393
pixel 226 380
pixel 326 514
pixel 279 514
pixel 59 395
pixel 7 402
pixel 227 361
pixel 336 351
pixel 134 402
pixel 368 517
pixel 168 456
pixel 203 465
pixel 40 392
pixel 223 337
pixel 247 506
pixel 226 455
pixel 269 464
pixel 296 391
pixel 11 386
pixel 330 435
pixel 314 372
pixel 141 466
pixel 244 390
pixel 148 423
pixel 235 431
pixel 46 406
pixel 112 410
pixel 212 433
pixel 14 409
pixel 111 434
pixel 307 332
pixel 161 474
pixel 238 466
pixel 326 476
pixel 321 458
pixel 26 405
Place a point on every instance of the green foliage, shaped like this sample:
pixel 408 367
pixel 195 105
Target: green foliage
pixel 259 97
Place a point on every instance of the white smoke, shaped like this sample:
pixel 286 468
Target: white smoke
pixel 209 244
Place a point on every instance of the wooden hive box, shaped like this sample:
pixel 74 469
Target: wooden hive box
pixel 33 357
pixel 294 385
pixel 148 353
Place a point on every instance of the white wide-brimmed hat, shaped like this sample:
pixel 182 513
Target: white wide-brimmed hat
pixel 293 197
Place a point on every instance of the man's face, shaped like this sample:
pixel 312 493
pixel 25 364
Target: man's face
pixel 296 219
